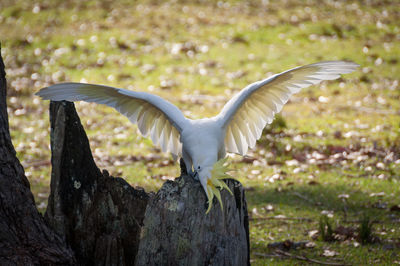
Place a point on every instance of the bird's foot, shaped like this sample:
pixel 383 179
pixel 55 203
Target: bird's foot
pixel 189 172
pixel 193 175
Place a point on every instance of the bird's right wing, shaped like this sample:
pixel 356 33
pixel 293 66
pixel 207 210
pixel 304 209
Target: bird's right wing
pixel 248 112
pixel 154 116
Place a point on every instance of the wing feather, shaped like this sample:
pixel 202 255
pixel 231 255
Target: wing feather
pixel 251 132
pixel 247 113
pixel 154 116
pixel 232 143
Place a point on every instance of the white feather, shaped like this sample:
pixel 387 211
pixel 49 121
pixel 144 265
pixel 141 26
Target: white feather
pixel 256 105
pixel 150 112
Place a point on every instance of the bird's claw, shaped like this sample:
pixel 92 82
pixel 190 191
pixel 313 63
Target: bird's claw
pixel 194 175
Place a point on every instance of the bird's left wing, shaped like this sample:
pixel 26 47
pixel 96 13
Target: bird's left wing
pixel 247 113
pixel 154 116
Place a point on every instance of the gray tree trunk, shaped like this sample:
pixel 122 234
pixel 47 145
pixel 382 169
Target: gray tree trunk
pixel 25 238
pixel 100 216
pixel 177 230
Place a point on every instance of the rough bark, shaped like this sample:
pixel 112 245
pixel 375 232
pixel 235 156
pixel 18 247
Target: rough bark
pixel 25 238
pixel 99 216
pixel 177 230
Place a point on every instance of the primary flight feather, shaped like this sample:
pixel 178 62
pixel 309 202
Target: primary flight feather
pixel 204 142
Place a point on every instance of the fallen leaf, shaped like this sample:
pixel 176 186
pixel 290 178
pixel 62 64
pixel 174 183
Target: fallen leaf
pixel 343 196
pixel 329 253
pixel 255 211
pixel 327 213
pixel 269 208
pixel 255 172
pixel 380 165
pixel 313 234
pixel 292 162
pixel 378 194
pixel 310 244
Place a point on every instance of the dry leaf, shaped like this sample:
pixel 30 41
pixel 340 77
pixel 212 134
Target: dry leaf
pixel 310 244
pixel 329 253
pixel 378 194
pixel 313 234
pixel 343 196
pixel 269 208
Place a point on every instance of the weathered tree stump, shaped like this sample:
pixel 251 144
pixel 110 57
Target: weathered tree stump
pixel 103 219
pixel 177 230
pixel 25 238
pixel 99 216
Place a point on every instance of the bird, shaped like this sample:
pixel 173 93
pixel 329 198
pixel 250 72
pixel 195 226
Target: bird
pixel 204 143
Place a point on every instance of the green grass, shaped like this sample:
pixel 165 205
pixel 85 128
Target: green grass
pixel 342 137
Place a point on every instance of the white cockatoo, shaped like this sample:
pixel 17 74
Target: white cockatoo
pixel 203 143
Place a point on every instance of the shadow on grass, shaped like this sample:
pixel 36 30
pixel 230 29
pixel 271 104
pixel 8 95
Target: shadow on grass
pixel 315 198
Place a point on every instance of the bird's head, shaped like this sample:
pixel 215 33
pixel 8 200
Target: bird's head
pixel 211 179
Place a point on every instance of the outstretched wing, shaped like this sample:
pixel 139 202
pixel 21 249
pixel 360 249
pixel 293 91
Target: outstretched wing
pixel 247 113
pixel 154 116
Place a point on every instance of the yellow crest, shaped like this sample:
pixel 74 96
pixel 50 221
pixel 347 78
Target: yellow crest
pixel 215 182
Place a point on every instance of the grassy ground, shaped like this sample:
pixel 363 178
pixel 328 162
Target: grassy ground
pixel 337 156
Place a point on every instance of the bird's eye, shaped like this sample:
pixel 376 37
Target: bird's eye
pixel 198 167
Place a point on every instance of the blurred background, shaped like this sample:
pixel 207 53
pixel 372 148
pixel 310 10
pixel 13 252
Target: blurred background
pixel 334 151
